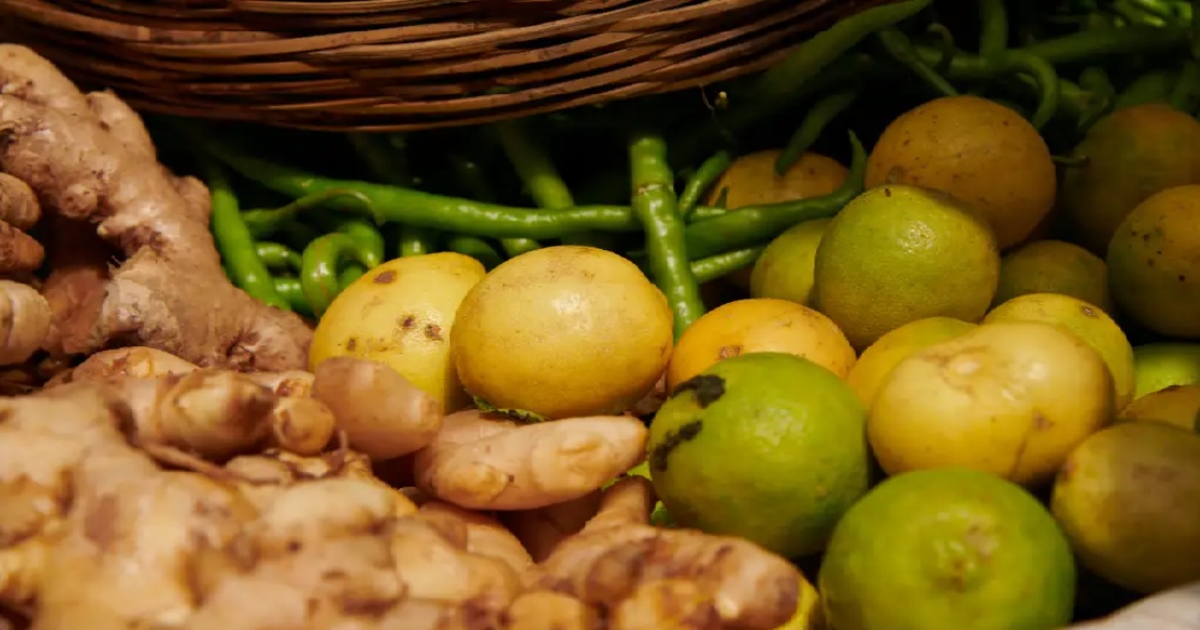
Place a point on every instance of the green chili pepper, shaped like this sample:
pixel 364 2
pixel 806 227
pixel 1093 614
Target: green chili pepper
pixel 393 204
pixel 265 222
pixel 349 274
pixel 414 242
pixel 970 67
pixel 369 240
pixel 703 179
pixel 815 121
pixel 476 248
pixel 896 44
pixel 993 36
pixel 720 265
pixel 1151 87
pixel 1087 46
pixel 319 268
pixel 945 44
pixel 289 289
pixel 750 226
pixel 1185 94
pixel 277 256
pixel 235 242
pixel 473 181
pixel 655 204
pixel 702 213
pixel 537 173
pixel 385 160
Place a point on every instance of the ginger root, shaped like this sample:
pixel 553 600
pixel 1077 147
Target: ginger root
pixel 90 163
pixel 487 462
pixel 24 322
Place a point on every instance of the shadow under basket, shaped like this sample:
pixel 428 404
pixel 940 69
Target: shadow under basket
pixel 394 65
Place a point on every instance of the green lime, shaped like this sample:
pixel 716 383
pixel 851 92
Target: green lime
pixel 766 446
pixel 785 268
pixel 947 548
pixel 1157 366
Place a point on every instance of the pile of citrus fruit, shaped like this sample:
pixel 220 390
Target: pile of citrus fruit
pixel 973 390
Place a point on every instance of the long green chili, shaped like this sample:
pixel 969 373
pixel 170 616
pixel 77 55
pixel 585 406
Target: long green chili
pixel 234 240
pixel 818 117
pixel 655 204
pixel 698 184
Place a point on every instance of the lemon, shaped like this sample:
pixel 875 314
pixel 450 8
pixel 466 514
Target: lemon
pixel 1129 501
pixel 1010 398
pixel 950 548
pixel 896 254
pixel 1154 266
pixel 1177 404
pixel 759 325
pixel 878 360
pixel 785 268
pixel 765 446
pixel 1088 321
pixel 401 314
pixel 562 331
pixel 1159 365
pixel 1129 155
pixel 1054 267
pixel 977 150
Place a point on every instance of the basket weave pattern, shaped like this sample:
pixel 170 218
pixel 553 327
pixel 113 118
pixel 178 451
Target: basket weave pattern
pixel 376 65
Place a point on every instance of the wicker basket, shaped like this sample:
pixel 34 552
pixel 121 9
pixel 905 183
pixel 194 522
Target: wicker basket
pixel 378 65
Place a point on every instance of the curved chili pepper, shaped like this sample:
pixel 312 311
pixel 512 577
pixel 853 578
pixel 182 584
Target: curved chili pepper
pixel 473 181
pixel 896 44
pixel 655 204
pixel 289 289
pixel 267 221
pixel 235 242
pixel 476 248
pixel 414 241
pixel 993 36
pixel 319 268
pixel 709 172
pixel 815 121
pixel 387 163
pixel 277 256
pixel 369 239
pixel 350 273
pixel 750 226
pixel 721 265
pixel 537 173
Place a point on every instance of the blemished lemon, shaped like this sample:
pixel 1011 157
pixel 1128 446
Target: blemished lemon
pixel 1088 321
pixel 877 361
pixel 1011 398
pixel 949 548
pixel 759 325
pixel 896 254
pixel 1129 500
pixel 766 446
pixel 1131 154
pixel 978 151
pixel 563 331
pixel 1054 267
pixel 1153 266
pixel 401 314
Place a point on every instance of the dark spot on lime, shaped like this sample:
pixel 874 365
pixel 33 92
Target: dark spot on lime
pixel 386 277
pixel 708 387
pixel 672 441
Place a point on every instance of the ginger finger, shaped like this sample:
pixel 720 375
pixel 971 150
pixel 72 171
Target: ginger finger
pixel 286 383
pixel 524 467
pixel 541 530
pixel 434 569
pixel 134 361
pixel 485 536
pixel 383 415
pixel 301 425
pixel 18 204
pixel 541 610
pixel 24 322
pixel 665 605
pixel 31 78
pixel 19 253
pixel 348 507
pixel 214 413
pixel 613 556
pixel 122 123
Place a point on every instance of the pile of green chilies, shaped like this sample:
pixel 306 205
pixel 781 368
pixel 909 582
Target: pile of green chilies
pixel 684 243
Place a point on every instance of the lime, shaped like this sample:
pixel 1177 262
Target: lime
pixel 785 268
pixel 1160 365
pixel 766 446
pixel 947 548
pixel 896 254
pixel 1054 267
